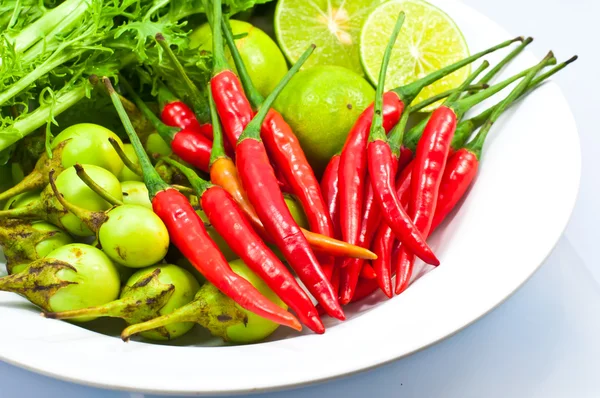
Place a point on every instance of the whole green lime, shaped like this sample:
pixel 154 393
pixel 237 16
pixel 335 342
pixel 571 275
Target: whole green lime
pixel 262 57
pixel 321 104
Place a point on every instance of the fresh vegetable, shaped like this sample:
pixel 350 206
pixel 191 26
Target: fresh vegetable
pixel 353 161
pixel 83 143
pixel 126 174
pixel 175 113
pixel 430 160
pixel 74 191
pixel 130 235
pixel 265 63
pixel 321 104
pixel 463 164
pixel 382 170
pixel 287 157
pixel 187 232
pixel 149 293
pixel 229 221
pixel 210 309
pixel 135 193
pixel 185 143
pixel 23 242
pixel 22 200
pixel 263 191
pixel 71 277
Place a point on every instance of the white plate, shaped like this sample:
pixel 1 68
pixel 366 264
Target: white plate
pixel 509 223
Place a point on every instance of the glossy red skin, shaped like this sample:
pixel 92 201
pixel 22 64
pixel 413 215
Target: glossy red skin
pixel 368 272
pixel 370 222
pixel 193 148
pixel 429 164
pixel 178 114
pixel 365 288
pixel 258 179
pixel 232 105
pixel 231 223
pixel 353 165
pixel 383 243
pixel 459 174
pixel 188 234
pixel 382 179
pixel 406 156
pixel 330 189
pixel 288 157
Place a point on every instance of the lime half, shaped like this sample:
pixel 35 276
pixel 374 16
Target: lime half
pixel 332 25
pixel 429 40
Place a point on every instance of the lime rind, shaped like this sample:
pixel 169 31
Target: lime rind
pixel 429 40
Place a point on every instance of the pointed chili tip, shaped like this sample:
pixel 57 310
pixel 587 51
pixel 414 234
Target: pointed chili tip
pixel 295 323
pixel 160 37
pixel 316 325
pixel 572 59
pixel 339 314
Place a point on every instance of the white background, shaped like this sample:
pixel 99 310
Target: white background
pixel 543 342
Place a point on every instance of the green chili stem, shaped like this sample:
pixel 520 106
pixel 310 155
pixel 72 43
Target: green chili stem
pixel 409 92
pixel 479 120
pixel 126 161
pixel 432 100
pixel 166 132
pixel 513 54
pixel 255 98
pixel 252 130
pixel 218 149
pixel 93 219
pixel 455 96
pixel 165 96
pixel 397 134
pixel 377 131
pixel 198 100
pixel 152 179
pixel 219 61
pixel 476 146
pixel 87 180
pixel 463 105
pixel 198 184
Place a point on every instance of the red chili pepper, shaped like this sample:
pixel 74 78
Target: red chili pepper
pixel 261 185
pixel 189 235
pixel 229 221
pixel 368 272
pixel 353 163
pixel 287 156
pixel 382 171
pixel 330 190
pixel 189 145
pixel 463 164
pixel 175 113
pixel 232 104
pixel 383 242
pixel 429 164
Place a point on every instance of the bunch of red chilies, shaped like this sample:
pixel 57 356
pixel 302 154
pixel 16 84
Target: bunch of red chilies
pixel 378 200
